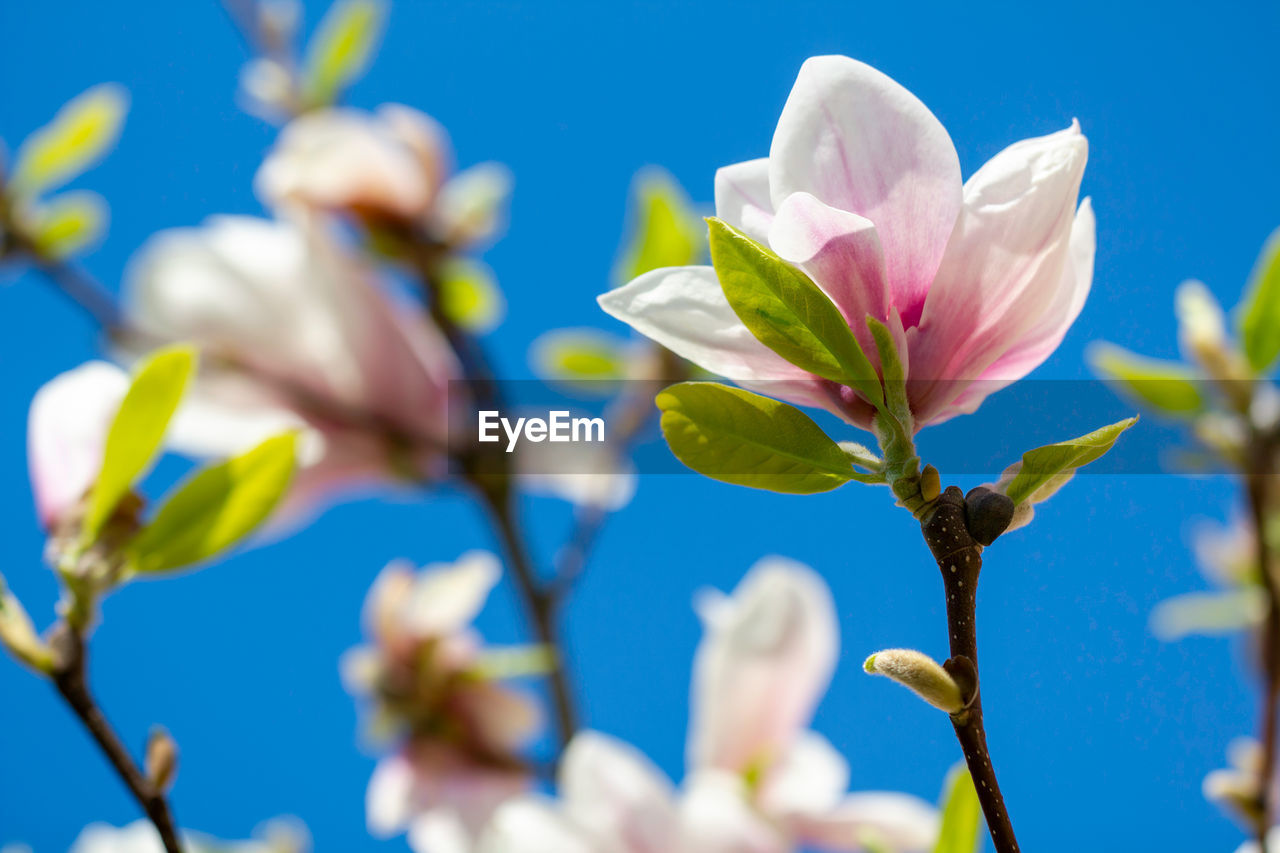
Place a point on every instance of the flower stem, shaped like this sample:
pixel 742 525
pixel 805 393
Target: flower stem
pixel 71 679
pixel 959 559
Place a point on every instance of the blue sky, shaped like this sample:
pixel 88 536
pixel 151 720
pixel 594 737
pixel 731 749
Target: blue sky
pixel 1101 733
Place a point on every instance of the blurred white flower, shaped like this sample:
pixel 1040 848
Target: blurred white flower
pixel 282 835
pixel 389 166
pixel 1225 554
pixel 295 332
pixel 461 729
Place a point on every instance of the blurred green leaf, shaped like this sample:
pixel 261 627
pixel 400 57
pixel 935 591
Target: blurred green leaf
pixel 587 359
pixel 668 231
pixel 1260 311
pixel 1044 470
pixel 961 830
pixel 66 223
pixel 216 508
pixel 138 429
pixel 341 48
pixel 788 313
pixel 1166 386
pixel 469 295
pixel 738 437
pixel 79 135
pixel 1209 613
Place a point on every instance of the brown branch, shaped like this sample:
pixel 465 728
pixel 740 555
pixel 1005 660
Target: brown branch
pixel 71 680
pixel 1259 490
pixel 959 558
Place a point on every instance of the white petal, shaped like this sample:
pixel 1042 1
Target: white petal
pixel 532 825
pixel 447 597
pixel 67 433
pixel 811 777
pixel 896 822
pixel 615 792
pixel 742 197
pixel 718 818
pixel 762 667
pixel 389 798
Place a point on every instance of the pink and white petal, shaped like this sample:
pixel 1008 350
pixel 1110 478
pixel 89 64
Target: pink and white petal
pixel 446 597
pixel 439 831
pixel 742 197
pixel 533 825
pixel 841 252
pixel 861 142
pixel 1004 265
pixel 389 799
pixel 890 821
pixel 685 310
pixel 1039 341
pixel 615 792
pixel 810 778
pixel 764 662
pixel 67 430
pixel 502 718
pixel 717 817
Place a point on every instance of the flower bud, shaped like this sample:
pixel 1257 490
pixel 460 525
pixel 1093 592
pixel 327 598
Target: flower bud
pixel 921 674
pixel 161 759
pixel 18 635
pixel 930 483
pixel 987 514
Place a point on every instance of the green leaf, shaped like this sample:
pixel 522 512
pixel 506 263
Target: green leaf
pixel 668 232
pixel 895 376
pixel 587 359
pixel 79 135
pixel 788 313
pixel 469 295
pixel 66 223
pixel 137 431
pixel 341 48
pixel 738 437
pixel 216 508
pixel 1166 386
pixel 1043 470
pixel 1260 312
pixel 961 815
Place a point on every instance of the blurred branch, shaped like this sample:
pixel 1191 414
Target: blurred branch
pixel 71 679
pixel 1259 481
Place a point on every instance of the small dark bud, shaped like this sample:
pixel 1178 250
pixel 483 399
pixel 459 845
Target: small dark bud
pixel 987 514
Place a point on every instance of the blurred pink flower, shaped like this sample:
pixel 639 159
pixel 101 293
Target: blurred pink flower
pixel 67 435
pixel 391 165
pixel 460 729
pixel 763 665
pixel 978 281
pixel 758 781
pixel 294 332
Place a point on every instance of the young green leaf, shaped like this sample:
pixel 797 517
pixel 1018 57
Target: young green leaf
pixel 66 223
pixel 788 313
pixel 738 437
pixel 1043 470
pixel 586 359
pixel 895 375
pixel 216 508
pixel 1260 312
pixel 137 431
pixel 961 815
pixel 668 233
pixel 470 296
pixel 81 132
pixel 340 50
pixel 1166 386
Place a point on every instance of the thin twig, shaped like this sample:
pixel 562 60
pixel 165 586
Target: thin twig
pixel 1259 490
pixel 959 559
pixel 71 680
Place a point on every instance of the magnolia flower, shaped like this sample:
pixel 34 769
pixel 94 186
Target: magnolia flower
pixel 67 434
pixel 295 333
pixel 461 728
pixel 759 673
pixel 976 281
pixel 389 165
pixel 283 835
